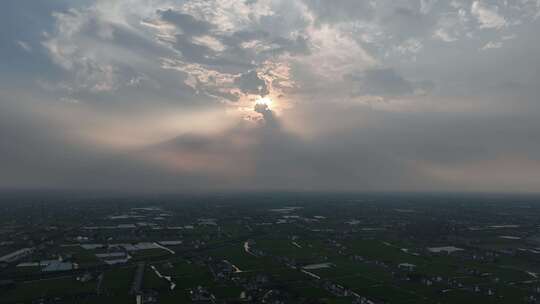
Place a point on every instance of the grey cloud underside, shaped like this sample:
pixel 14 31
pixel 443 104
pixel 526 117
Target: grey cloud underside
pixel 234 53
pixel 382 82
pixel 231 55
pixel 368 95
pixel 189 25
pixel 251 83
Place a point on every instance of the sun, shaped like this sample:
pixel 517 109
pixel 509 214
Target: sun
pixel 267 101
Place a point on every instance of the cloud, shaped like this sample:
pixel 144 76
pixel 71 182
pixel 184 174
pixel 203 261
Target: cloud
pixel 406 22
pixel 269 117
pixel 251 83
pixel 25 46
pixel 340 10
pixel 189 25
pixel 222 59
pixel 383 82
pixel 452 25
pixel 427 5
pixel 488 17
pixel 492 45
pixel 366 95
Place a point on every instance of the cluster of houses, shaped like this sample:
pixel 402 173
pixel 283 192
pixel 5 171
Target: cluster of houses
pixel 201 294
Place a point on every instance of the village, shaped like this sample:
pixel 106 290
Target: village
pixel 265 249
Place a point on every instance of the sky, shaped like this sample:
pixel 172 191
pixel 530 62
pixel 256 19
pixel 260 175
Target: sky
pixel 264 95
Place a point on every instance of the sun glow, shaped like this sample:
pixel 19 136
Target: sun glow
pixel 264 101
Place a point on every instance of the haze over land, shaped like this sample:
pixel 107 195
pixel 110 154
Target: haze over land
pixel 163 95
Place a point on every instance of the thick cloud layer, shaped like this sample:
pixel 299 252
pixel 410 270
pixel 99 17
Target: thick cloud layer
pixel 165 95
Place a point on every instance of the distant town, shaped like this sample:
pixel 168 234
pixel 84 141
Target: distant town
pixel 270 248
